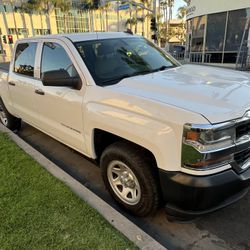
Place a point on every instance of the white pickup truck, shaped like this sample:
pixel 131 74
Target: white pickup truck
pixel 163 133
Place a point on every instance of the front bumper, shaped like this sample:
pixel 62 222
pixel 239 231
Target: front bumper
pixel 187 196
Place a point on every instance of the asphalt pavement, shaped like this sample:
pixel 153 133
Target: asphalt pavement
pixel 228 228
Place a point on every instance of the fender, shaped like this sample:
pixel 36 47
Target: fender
pixel 162 139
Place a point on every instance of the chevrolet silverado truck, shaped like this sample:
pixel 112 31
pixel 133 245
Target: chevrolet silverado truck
pixel 164 134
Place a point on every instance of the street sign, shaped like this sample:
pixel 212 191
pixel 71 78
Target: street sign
pixel 124 6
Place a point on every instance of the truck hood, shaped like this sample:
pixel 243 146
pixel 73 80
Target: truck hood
pixel 215 93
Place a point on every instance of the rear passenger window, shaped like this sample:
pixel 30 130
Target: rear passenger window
pixel 25 58
pixel 55 58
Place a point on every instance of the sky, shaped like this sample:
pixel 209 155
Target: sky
pixel 178 3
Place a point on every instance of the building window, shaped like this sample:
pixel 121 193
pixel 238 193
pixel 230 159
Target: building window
pixel 235 29
pixel 216 24
pixel 22 31
pixel 40 32
pixel 12 31
pixel 198 30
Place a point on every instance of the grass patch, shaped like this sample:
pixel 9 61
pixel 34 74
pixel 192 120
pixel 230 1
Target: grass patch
pixel 39 212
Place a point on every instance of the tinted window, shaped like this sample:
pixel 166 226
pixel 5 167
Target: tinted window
pixel 111 60
pixel 198 33
pixel 55 58
pixel 215 31
pixel 235 29
pixel 25 58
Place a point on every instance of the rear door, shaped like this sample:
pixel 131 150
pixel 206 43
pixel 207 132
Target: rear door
pixel 22 80
pixel 60 108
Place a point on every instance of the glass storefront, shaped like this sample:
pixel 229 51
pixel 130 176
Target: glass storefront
pixel 216 38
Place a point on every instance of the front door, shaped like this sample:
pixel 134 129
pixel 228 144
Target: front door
pixel 60 108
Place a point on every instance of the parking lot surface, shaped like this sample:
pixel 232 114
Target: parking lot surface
pixel 228 228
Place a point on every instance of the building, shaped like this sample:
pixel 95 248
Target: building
pixel 16 24
pixel 177 31
pixel 218 31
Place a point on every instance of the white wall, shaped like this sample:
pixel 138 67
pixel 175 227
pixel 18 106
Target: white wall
pixel 202 7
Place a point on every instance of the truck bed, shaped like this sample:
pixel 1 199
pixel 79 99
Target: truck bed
pixel 4 66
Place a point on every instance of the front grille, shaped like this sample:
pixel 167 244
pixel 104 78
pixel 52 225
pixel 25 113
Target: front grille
pixel 242 129
pixel 242 157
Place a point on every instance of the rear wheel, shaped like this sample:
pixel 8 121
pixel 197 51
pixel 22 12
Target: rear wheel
pixel 7 119
pixel 130 178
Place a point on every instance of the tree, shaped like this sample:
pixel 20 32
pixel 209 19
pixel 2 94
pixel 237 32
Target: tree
pixel 181 12
pixel 133 22
pixel 44 7
pixel 170 5
pixel 167 6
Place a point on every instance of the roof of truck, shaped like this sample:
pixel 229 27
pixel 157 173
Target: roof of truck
pixel 75 37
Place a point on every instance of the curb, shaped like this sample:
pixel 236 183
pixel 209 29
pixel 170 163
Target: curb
pixel 117 220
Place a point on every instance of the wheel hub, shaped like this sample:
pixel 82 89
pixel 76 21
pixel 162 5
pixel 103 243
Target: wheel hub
pixel 127 180
pixel 124 182
pixel 3 117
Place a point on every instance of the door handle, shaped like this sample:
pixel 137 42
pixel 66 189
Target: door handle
pixel 12 84
pixel 39 92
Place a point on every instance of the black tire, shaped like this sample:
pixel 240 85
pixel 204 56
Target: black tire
pixel 7 119
pixel 141 165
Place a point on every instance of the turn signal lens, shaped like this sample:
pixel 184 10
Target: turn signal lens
pixel 192 136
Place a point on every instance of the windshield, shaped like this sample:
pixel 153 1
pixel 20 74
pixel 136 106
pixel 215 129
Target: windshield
pixel 111 60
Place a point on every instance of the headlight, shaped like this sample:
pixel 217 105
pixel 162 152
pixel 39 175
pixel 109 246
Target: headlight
pixel 207 138
pixel 207 146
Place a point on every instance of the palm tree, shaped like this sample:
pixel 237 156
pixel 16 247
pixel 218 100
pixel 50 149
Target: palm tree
pixel 133 22
pixel 164 6
pixel 170 5
pixel 181 12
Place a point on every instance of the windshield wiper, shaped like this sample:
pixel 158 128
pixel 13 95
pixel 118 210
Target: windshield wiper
pixel 118 79
pixel 148 71
pixel 163 67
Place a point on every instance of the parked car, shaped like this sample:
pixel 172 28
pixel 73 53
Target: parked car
pixel 162 132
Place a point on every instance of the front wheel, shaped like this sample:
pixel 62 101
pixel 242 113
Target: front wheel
pixel 7 119
pixel 130 178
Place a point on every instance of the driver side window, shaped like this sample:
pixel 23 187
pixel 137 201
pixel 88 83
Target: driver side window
pixel 55 58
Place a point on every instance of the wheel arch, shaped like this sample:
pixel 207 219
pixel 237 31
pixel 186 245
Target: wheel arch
pixel 102 139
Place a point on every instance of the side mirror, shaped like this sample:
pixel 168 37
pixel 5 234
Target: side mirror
pixel 60 78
